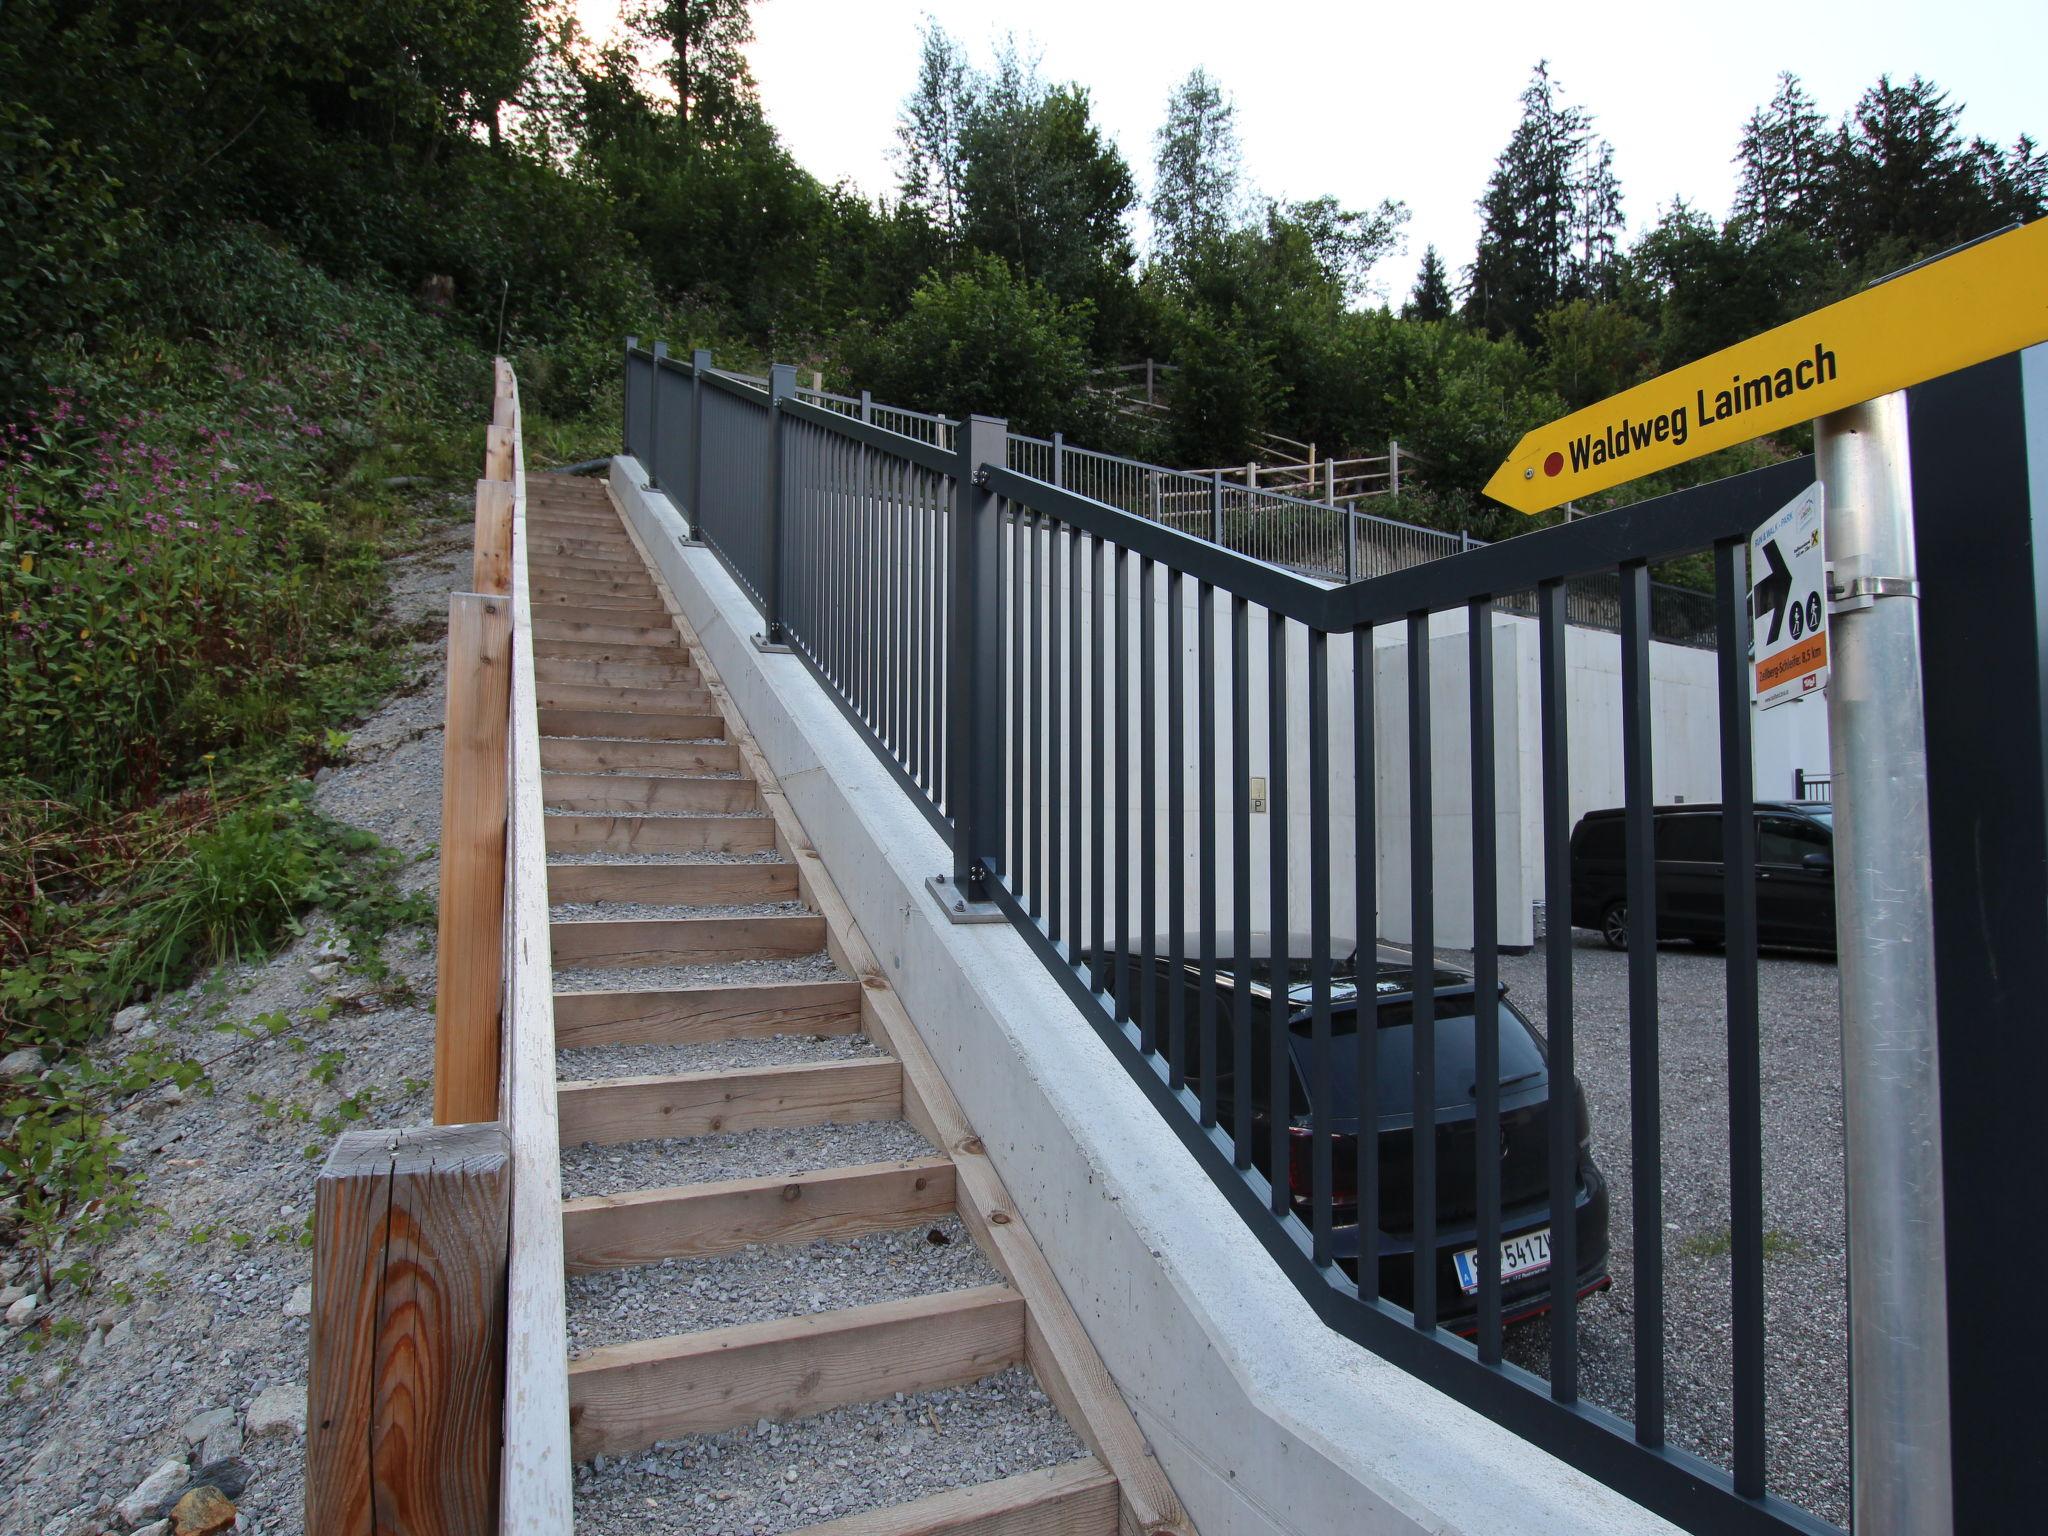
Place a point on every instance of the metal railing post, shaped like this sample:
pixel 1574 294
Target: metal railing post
pixel 654 414
pixel 700 364
pixel 1891 1082
pixel 1059 460
pixel 781 386
pixel 626 398
pixel 1393 466
pixel 974 668
pixel 1350 545
pixel 867 406
pixel 1216 506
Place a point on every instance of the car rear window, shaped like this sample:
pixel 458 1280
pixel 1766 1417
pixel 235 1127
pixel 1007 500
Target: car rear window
pixel 1457 1055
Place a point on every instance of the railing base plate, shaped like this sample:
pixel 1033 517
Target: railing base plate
pixel 769 647
pixel 957 907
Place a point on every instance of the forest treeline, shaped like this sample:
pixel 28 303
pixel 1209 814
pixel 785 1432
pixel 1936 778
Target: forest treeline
pixel 481 160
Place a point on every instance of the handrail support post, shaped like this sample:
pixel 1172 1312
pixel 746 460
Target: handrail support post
pixel 974 678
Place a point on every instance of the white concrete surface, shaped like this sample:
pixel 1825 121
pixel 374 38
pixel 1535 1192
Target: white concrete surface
pixel 1265 1420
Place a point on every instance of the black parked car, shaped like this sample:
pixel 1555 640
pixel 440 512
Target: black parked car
pixel 1523 1149
pixel 1795 874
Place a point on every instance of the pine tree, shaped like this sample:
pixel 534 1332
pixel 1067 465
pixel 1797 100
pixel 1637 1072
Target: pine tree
pixel 1195 182
pixel 1551 216
pixel 1784 160
pixel 1431 299
pixel 931 127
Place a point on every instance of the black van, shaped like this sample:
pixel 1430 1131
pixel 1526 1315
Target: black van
pixel 1795 874
pixel 1523 1152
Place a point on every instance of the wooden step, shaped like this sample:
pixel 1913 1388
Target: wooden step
pixel 611 1110
pixel 631 792
pixel 699 1221
pixel 546 626
pixel 603 650
pixel 594 603
pixel 1076 1498
pixel 615 674
pixel 574 567
pixel 700 1015
pixel 576 754
pixel 644 941
pixel 614 723
pixel 624 1397
pixel 554 618
pixel 680 885
pixel 660 834
pixel 679 699
pixel 572 581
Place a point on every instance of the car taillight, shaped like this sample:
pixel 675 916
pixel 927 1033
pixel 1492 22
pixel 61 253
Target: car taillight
pixel 1301 1176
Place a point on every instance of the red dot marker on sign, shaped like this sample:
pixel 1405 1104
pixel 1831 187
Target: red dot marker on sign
pixel 1554 465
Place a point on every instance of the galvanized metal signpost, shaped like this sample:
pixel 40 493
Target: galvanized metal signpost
pixel 1846 367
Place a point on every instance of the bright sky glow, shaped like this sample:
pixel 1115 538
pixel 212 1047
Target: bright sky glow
pixel 1365 101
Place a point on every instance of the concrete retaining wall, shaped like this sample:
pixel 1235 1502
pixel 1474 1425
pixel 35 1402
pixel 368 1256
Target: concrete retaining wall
pixel 1265 1420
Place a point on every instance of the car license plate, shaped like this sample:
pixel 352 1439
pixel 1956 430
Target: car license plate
pixel 1521 1256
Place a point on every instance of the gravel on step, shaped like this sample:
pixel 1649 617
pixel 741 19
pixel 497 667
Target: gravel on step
pixel 667 815
pixel 765 1281
pixel 634 911
pixel 764 1479
pixel 701 856
pixel 771 1152
pixel 597 1062
pixel 660 978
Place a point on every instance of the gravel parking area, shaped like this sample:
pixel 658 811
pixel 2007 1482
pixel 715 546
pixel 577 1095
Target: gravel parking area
pixel 1805 1275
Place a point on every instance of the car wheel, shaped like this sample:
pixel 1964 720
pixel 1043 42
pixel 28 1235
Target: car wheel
pixel 1614 925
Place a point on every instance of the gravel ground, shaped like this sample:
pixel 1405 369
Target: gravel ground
pixel 622 911
pixel 1805 1276
pixel 720 1056
pixel 194 1310
pixel 654 978
pixel 768 1478
pixel 776 1150
pixel 762 1282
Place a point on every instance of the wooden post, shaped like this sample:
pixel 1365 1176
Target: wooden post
pixel 497 453
pixel 491 570
pixel 504 395
pixel 405 1395
pixel 1394 466
pixel 469 989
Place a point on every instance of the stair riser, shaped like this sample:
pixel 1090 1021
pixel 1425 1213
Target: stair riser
pixel 628 793
pixel 685 941
pixel 644 1227
pixel 678 700
pixel 698 1015
pixel 618 724
pixel 569 754
pixel 625 1398
pixel 630 834
pixel 640 1108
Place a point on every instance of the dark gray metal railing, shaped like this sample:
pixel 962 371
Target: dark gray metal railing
pixel 1058 681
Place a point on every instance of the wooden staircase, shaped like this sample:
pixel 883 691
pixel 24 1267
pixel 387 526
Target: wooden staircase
pixel 696 931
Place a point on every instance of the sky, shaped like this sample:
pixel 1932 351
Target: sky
pixel 1365 101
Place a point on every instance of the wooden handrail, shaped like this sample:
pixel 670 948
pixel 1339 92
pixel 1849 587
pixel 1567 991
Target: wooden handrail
pixel 439 1373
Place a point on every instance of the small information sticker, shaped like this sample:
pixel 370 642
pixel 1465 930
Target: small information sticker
pixel 1788 601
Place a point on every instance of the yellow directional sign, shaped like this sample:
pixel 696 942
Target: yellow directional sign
pixel 1980 303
